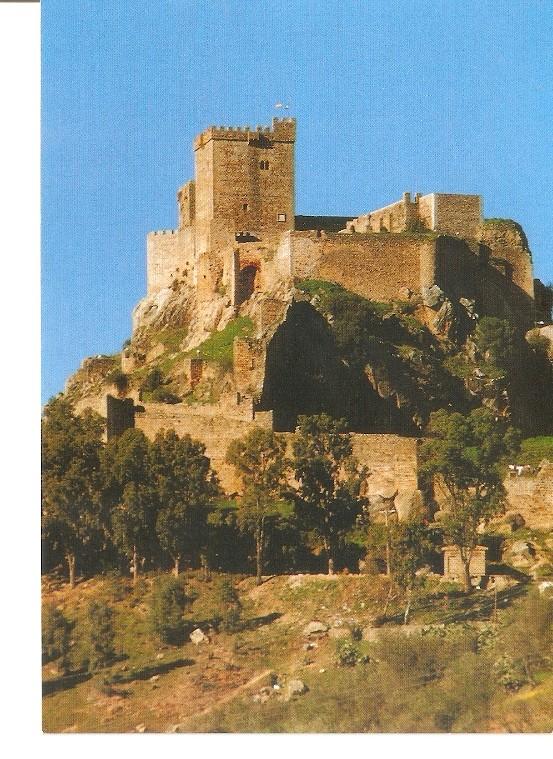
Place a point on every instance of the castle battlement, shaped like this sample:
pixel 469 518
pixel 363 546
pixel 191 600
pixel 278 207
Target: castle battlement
pixel 281 130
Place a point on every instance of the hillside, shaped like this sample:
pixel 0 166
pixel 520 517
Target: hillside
pixel 440 678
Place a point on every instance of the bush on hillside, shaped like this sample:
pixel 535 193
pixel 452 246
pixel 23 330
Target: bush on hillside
pixel 230 619
pixel 162 395
pixel 101 634
pixel 119 379
pixel 166 612
pixel 56 633
pixel 154 380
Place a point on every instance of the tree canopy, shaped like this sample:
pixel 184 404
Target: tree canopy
pixel 327 499
pixel 186 487
pixel 259 459
pixel 71 481
pixel 462 458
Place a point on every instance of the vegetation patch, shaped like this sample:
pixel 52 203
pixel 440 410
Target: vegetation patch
pixel 218 347
pixel 535 449
pixel 171 338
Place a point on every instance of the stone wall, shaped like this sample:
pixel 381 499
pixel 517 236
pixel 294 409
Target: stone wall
pixel 508 250
pixel 458 215
pixel 393 463
pixel 376 266
pixel 186 201
pixel 215 431
pixel 120 416
pixel 391 459
pixel 532 496
pixel 396 217
pixel 248 357
pixel 170 254
pixel 453 564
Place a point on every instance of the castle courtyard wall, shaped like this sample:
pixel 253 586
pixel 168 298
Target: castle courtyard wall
pixel 376 266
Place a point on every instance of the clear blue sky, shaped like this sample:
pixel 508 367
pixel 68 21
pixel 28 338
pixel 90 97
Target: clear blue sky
pixel 417 95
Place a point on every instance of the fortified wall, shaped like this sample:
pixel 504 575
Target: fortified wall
pixel 458 215
pixel 390 459
pixel 238 234
pixel 376 266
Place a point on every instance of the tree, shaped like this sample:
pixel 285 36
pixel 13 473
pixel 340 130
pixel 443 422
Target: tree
pixel 259 459
pixel 463 457
pixel 327 499
pixel 71 449
pixel 409 546
pixel 166 612
pixel 186 487
pixel 495 340
pixel 56 634
pixel 101 634
pixel 130 496
pixel 231 607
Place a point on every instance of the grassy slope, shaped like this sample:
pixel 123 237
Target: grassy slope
pixel 208 688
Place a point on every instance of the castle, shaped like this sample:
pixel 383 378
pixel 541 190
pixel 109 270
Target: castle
pixel 240 249
pixel 238 233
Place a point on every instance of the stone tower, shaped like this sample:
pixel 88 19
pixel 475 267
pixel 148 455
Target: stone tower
pixel 242 192
pixel 244 183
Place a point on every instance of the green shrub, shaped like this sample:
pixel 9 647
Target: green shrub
pixel 166 612
pixel 230 616
pixel 509 673
pixel 539 343
pixel 119 379
pixel 535 449
pixel 494 340
pixel 413 660
pixel 162 395
pixel 347 653
pixel 56 632
pixel 101 634
pixel 153 380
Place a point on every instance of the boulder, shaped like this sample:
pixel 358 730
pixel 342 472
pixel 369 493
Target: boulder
pixel 444 320
pixel 296 688
pixel 521 548
pixel 315 628
pixel 432 296
pixel 197 637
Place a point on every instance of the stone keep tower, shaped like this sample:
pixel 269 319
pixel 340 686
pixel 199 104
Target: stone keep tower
pixel 243 191
pixel 244 182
